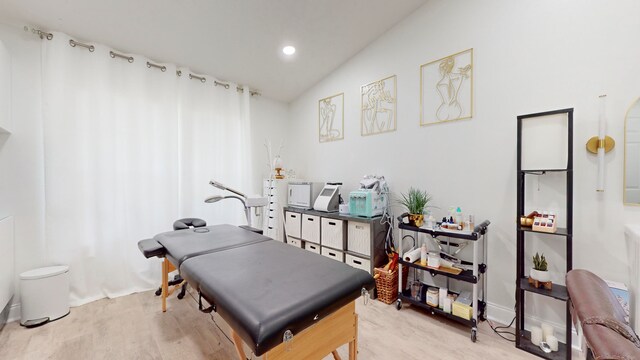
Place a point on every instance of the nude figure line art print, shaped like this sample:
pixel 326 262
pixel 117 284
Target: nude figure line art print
pixel 378 111
pixel 331 118
pixel 446 89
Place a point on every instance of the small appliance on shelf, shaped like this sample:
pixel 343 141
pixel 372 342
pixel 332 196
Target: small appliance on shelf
pixel 301 194
pixel 329 198
pixel 371 199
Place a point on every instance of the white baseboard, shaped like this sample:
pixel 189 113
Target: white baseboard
pixel 504 315
pixel 14 313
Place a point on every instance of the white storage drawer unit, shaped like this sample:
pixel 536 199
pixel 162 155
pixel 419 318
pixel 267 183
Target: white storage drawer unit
pixel 294 242
pixel 332 231
pixel 358 262
pixel 293 224
pixel 311 228
pixel 359 237
pixel 358 242
pixel 314 248
pixel 333 254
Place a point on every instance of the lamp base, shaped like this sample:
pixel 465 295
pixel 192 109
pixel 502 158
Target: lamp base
pixel 592 144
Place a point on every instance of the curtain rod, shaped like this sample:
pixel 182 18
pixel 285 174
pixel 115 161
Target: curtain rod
pixel 40 33
pixel 73 43
pixel 121 56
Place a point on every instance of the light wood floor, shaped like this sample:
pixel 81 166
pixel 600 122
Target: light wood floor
pixel 133 327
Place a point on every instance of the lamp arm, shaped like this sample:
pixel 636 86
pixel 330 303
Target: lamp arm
pixel 247 210
pixel 226 188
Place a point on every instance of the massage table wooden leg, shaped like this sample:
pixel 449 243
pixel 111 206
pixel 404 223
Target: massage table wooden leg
pixel 317 341
pixel 167 267
pixel 165 283
pixel 237 342
pixel 353 344
pixel 335 354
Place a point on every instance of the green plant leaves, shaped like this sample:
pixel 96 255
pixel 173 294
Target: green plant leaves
pixel 415 200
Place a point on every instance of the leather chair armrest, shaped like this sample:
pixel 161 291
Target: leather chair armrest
pixel 608 344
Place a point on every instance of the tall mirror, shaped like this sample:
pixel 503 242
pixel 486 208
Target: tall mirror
pixel 632 155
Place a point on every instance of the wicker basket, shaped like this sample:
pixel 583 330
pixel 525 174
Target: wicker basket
pixel 387 284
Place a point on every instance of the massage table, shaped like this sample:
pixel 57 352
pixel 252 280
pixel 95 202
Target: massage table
pixel 283 302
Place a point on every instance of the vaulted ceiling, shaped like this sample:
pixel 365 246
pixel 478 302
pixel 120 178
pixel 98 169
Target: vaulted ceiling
pixel 233 40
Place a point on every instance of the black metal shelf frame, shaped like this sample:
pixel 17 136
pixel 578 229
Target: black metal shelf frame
pixel 476 276
pixel 558 292
pixel 406 296
pixel 465 275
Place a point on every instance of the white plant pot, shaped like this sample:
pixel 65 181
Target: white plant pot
pixel 542 276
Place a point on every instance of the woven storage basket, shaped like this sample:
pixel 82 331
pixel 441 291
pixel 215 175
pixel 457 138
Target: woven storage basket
pixel 387 284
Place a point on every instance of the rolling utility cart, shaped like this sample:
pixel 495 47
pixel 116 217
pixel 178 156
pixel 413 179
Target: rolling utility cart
pixel 473 273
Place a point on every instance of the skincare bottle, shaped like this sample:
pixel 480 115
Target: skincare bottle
pixel 459 218
pixel 423 255
pixel 431 222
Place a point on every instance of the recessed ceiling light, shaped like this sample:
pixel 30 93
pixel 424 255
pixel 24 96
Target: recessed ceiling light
pixel 288 50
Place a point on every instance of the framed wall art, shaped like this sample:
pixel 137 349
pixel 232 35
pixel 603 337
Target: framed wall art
pixel 446 89
pixel 331 118
pixel 378 109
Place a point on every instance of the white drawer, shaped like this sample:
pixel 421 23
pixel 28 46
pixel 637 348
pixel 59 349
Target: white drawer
pixel 294 242
pixel 358 262
pixel 314 248
pixel 311 228
pixel 293 221
pixel 333 254
pixel 359 237
pixel 332 233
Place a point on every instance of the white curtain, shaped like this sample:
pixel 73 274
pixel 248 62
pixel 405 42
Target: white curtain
pixel 214 135
pixel 128 150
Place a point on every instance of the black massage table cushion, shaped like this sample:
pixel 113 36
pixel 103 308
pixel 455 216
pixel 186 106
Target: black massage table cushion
pixel 265 288
pixel 183 244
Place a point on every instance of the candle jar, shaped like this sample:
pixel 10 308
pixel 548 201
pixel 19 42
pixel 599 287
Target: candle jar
pixel 536 335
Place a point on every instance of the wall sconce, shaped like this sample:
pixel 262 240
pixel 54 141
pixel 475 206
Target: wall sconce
pixel 602 143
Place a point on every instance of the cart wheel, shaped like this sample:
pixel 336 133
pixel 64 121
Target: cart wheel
pixel 159 292
pixel 180 296
pixel 398 304
pixel 474 335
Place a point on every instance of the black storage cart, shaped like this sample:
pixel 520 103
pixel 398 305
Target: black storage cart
pixel 475 274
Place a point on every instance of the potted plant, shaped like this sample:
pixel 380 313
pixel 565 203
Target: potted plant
pixel 415 201
pixel 539 271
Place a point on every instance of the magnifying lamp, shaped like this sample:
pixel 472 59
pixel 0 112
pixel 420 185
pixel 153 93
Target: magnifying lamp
pixel 247 202
pixel 216 198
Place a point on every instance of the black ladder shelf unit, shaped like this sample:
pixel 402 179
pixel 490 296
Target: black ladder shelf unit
pixel 559 292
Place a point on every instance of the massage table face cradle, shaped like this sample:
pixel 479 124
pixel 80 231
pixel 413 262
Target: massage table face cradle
pixel 315 341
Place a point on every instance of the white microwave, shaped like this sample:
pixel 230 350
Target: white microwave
pixel 303 194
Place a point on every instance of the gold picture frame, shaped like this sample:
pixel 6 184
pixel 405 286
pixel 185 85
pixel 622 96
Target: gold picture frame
pixel 331 118
pixel 378 106
pixel 445 93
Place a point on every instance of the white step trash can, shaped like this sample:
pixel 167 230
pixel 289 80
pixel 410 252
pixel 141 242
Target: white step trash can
pixel 44 294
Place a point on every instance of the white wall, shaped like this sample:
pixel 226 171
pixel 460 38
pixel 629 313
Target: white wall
pixel 21 156
pixel 269 122
pixel 530 56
